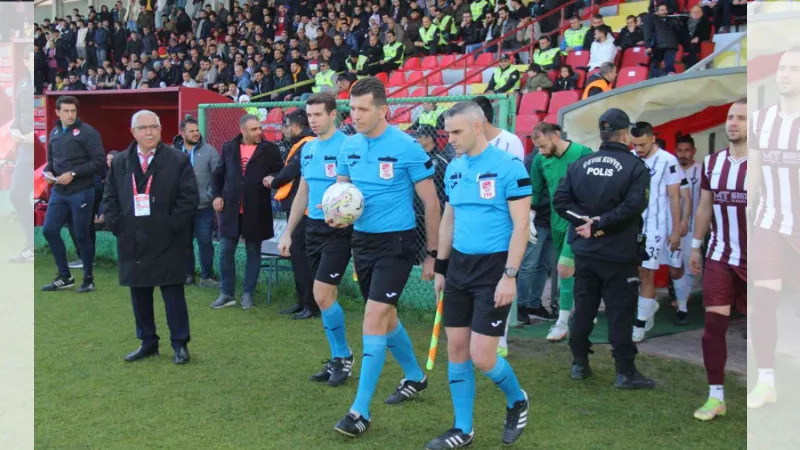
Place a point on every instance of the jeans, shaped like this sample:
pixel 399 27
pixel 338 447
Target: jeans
pixel 535 268
pixel 59 209
pixel 202 230
pixel 472 47
pixel 102 55
pixel 98 198
pixel 21 190
pixel 665 55
pixel 227 266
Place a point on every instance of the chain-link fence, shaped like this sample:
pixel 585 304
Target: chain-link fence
pixel 421 117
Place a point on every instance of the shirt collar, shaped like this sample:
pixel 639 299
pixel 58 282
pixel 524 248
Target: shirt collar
pixel 152 153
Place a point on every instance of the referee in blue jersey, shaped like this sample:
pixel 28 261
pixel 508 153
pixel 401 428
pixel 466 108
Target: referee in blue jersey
pixel 327 248
pixel 387 166
pixel 483 234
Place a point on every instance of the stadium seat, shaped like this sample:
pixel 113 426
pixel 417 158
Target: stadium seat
pixel 411 64
pixel 527 143
pixel 578 58
pixel 402 115
pixel 706 48
pixel 592 72
pixel 446 60
pixel 534 103
pixel 553 75
pixel 581 78
pixel 418 92
pixel 400 93
pixel 383 77
pixel 429 63
pixel 526 123
pixel 275 115
pixel 474 75
pixel 477 88
pixel 635 56
pixel 484 60
pixel 435 78
pixel 551 118
pixel 397 79
pixel 416 78
pixel 563 98
pixel 631 75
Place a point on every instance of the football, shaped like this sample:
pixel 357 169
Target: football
pixel 343 203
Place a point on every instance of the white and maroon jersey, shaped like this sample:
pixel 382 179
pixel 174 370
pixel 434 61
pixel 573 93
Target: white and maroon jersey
pixel 777 138
pixel 693 176
pixel 664 171
pixel 726 178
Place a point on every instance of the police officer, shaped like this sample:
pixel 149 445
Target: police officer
pixel 505 77
pixel 604 195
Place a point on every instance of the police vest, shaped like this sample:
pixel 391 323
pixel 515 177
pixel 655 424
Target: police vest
pixel 430 117
pixel 476 8
pixel 501 77
pixel 546 57
pixel 574 38
pixel 323 79
pixel 427 36
pixel 601 83
pixel 390 52
pixel 447 25
pixel 359 65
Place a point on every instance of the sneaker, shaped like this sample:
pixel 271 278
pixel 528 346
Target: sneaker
pixel 638 334
pixel 761 395
pixel 208 283
pixel 352 425
pixel 452 438
pixel 713 408
pixel 651 320
pixel 516 419
pixel 681 318
pixel 635 381
pixel 502 351
pixel 324 375
pixel 87 286
pixel 60 283
pixel 558 332
pixel 247 301
pixel 25 256
pixel 406 390
pixel 223 301
pixel 581 371
pixel 77 264
pixel 541 313
pixel 341 370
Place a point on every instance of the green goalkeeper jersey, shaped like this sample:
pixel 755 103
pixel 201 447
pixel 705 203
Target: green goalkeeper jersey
pixel 546 173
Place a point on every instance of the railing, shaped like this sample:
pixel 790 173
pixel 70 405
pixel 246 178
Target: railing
pixel 704 63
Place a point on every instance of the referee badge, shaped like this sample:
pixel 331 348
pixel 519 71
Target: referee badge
pixel 330 170
pixel 76 132
pixel 487 189
pixel 386 170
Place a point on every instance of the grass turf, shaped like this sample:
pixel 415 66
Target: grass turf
pixel 247 386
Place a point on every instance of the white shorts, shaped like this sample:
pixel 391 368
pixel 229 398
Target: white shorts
pixel 659 253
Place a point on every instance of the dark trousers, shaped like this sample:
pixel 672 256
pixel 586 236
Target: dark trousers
pixel 21 188
pixel 303 278
pixel 62 209
pixel 177 315
pixel 618 286
pixel 98 198
pixel 202 229
pixel 388 67
pixel 666 55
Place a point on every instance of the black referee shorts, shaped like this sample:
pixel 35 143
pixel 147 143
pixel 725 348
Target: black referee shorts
pixel 383 262
pixel 469 293
pixel 327 250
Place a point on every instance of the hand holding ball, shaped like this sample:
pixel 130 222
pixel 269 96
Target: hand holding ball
pixel 342 204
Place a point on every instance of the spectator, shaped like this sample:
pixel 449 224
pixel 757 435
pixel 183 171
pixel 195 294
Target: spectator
pixel 597 22
pixel 505 78
pixel 566 81
pixel 574 36
pixel 469 34
pixel 537 80
pixel 661 38
pixel 430 39
pixel 392 53
pixel 325 79
pixel 506 24
pixel 188 81
pixel 630 35
pixel 546 56
pixel 601 81
pixel 699 30
pixel 603 48
pixel 135 45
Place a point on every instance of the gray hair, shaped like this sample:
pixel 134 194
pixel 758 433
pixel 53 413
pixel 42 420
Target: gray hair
pixel 247 118
pixel 607 67
pixel 142 113
pixel 468 108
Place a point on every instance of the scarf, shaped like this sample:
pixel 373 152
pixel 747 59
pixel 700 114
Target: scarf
pixel 693 25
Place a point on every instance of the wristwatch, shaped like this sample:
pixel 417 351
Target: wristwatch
pixel 511 272
pixel 433 253
pixel 73 174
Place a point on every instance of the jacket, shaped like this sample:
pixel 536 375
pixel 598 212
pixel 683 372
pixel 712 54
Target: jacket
pixel 291 172
pixel 661 33
pixel 77 149
pixel 151 249
pixel 611 184
pixel 204 160
pixel 228 182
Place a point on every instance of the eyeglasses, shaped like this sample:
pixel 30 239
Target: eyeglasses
pixel 147 127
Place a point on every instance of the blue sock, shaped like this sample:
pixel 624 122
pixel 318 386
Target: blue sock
pixel 333 318
pixel 462 389
pixel 371 366
pixel 400 345
pixel 503 376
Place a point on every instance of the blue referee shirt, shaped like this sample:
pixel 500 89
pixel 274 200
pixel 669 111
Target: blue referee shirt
pixel 318 167
pixel 478 189
pixel 385 169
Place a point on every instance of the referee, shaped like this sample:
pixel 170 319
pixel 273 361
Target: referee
pixel 604 195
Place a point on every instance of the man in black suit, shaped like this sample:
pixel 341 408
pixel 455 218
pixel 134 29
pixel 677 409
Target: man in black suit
pixel 243 199
pixel 150 198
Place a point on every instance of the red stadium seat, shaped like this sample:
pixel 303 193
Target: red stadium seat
pixel 383 77
pixel 446 60
pixel 525 124
pixel 533 103
pixel 484 60
pixel 416 78
pixel 403 115
pixel 592 72
pixel 435 79
pixel 631 75
pixel 581 78
pixel 419 92
pixel 563 98
pixel 411 64
pixel 397 79
pixel 553 75
pixel 635 56
pixel 400 93
pixel 275 115
pixel 527 143
pixel 706 48
pixel 474 76
pixel 429 63
pixel 551 118
pixel 578 58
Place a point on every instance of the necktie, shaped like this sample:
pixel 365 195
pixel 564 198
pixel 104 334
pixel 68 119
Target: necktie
pixel 144 162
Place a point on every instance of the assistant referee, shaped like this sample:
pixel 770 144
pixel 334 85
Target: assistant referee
pixel 604 195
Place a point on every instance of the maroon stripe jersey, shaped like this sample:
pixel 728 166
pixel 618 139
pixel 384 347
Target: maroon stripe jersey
pixel 726 178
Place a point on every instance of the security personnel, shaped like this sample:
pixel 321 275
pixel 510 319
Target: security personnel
pixel 479 9
pixel 356 63
pixel 445 24
pixel 392 53
pixel 431 115
pixel 505 77
pixel 483 233
pixel 325 79
pixel 430 39
pixel 601 82
pixel 574 36
pixel 546 56
pixel 604 195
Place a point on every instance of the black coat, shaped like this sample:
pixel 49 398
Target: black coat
pixel 227 182
pixel 152 249
pixel 291 171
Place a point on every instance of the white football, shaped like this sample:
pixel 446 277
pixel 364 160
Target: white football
pixel 343 203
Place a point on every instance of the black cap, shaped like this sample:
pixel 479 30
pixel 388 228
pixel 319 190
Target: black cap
pixel 614 119
pixel 425 130
pixel 354 53
pixel 505 57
